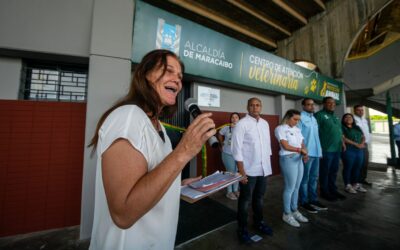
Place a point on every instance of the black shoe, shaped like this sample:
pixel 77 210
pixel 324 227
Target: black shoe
pixel 309 208
pixel 244 236
pixel 340 196
pixel 329 197
pixel 318 206
pixel 365 182
pixel 264 228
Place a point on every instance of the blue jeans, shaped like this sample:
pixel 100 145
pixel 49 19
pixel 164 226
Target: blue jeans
pixel 364 167
pixel 254 190
pixel 308 186
pixel 230 165
pixel 352 163
pixel 292 171
pixel 328 168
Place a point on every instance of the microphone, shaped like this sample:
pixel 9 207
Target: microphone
pixel 194 110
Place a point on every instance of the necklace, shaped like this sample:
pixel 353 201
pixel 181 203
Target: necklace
pixel 157 126
pixel 161 134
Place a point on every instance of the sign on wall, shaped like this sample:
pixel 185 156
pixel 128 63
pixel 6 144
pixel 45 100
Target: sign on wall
pixel 209 54
pixel 208 97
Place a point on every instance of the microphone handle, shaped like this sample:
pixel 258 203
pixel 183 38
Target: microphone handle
pixel 195 111
pixel 213 142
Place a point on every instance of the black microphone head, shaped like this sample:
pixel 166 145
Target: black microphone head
pixel 213 142
pixel 191 106
pixel 189 102
pixel 194 110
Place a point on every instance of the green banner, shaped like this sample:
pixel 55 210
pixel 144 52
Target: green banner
pixel 209 54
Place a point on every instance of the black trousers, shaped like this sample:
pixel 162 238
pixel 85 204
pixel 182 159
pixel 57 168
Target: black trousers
pixel 253 191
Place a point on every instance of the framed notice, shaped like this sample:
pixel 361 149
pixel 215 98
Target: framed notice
pixel 208 97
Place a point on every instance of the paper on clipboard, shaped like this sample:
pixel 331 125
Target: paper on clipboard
pixel 208 185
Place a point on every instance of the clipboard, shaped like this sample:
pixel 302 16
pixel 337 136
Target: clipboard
pixel 208 185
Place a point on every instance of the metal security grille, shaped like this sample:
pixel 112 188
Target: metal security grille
pixel 181 117
pixel 55 84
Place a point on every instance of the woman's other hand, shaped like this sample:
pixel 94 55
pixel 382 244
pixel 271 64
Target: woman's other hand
pixel 190 180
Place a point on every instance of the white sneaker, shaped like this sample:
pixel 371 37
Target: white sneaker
pixel 299 217
pixel 359 188
pixel 289 219
pixel 231 196
pixel 349 189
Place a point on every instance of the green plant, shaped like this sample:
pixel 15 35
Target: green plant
pixel 378 117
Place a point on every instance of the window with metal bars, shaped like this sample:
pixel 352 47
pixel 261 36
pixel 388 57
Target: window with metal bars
pixel 54 83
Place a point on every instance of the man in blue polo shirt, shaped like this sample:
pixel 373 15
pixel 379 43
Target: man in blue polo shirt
pixel 308 187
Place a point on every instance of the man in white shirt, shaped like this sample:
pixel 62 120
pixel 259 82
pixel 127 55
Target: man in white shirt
pixel 251 149
pixel 363 124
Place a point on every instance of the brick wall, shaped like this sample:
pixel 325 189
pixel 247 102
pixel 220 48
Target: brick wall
pixel 41 165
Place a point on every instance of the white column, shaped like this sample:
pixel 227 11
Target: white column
pixel 341 109
pixel 298 105
pixel 10 72
pixel 280 108
pixel 109 79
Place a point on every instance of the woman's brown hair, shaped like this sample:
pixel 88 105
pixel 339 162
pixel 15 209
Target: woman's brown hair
pixel 289 114
pixel 142 92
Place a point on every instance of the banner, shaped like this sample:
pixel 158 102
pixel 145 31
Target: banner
pixel 209 54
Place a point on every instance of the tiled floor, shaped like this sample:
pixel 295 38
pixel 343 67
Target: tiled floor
pixel 362 221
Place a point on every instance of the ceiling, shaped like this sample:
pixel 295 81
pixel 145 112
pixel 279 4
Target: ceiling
pixel 381 30
pixel 261 23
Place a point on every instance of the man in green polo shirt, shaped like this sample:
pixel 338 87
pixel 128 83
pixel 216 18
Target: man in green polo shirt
pixel 331 137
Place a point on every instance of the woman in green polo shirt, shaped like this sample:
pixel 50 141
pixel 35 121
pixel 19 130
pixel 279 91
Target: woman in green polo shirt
pixel 353 156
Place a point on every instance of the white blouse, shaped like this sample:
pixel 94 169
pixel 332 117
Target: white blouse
pixel 157 228
pixel 227 133
pixel 290 134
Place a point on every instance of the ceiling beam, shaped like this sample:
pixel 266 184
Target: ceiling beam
pixel 208 13
pixel 386 85
pixel 291 11
pixel 320 4
pixel 250 10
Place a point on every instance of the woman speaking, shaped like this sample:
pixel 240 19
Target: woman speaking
pixel 138 174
